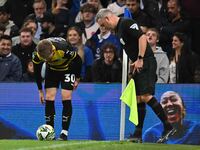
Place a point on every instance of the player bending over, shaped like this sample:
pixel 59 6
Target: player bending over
pixel 63 67
pixel 134 42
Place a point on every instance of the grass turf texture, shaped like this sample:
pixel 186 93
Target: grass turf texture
pixel 87 145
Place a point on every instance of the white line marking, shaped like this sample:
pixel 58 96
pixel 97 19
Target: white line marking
pixel 57 145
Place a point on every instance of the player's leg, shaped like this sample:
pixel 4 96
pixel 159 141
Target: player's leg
pixel 49 106
pixel 142 87
pixel 51 85
pixel 66 112
pixel 137 135
pixel 67 89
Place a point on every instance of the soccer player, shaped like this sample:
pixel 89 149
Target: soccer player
pixel 63 66
pixel 134 42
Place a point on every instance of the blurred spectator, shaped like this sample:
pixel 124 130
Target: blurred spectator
pixel 99 39
pixel 74 10
pixel 138 15
pixel 108 68
pixel 39 7
pixel 49 4
pixel 11 28
pixel 19 10
pixel 183 61
pixel 192 9
pixel 156 11
pixel 68 4
pixel 31 24
pixel 88 24
pixel 161 56
pixel 62 14
pixel 2 2
pixel 48 27
pixel 74 37
pixel 25 48
pixel 73 7
pixel 188 132
pixel 105 3
pixel 28 76
pixel 10 65
pixel 95 3
pixel 2 29
pixel 175 22
pixel 117 7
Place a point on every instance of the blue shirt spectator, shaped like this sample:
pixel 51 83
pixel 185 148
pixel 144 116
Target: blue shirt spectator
pixel 188 132
pixel 99 39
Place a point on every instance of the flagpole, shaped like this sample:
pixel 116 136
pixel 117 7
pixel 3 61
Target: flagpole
pixel 123 106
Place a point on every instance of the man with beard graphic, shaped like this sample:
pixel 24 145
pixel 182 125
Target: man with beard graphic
pixel 188 132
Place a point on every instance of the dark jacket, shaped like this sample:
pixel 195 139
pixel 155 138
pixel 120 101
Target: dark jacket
pixel 24 53
pixel 101 72
pixel 10 68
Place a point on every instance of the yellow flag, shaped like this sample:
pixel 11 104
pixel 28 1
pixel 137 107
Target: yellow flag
pixel 129 98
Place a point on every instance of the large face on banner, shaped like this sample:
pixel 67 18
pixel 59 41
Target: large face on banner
pixel 173 106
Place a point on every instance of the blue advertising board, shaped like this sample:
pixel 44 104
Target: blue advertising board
pixel 96 110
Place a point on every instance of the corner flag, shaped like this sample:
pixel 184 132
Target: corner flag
pixel 129 98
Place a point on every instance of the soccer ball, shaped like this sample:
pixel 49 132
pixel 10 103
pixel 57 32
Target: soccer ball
pixel 45 132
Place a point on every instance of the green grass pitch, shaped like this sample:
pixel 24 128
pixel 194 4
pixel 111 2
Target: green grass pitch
pixel 87 145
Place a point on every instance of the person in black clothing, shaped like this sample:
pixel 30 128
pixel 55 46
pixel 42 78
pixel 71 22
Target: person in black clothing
pixel 138 14
pixel 10 27
pixel 25 48
pixel 49 28
pixel 19 10
pixel 28 76
pixel 134 42
pixel 183 61
pixel 107 68
pixel 175 21
pixel 63 66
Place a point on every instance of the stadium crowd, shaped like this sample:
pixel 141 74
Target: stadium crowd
pixel 171 27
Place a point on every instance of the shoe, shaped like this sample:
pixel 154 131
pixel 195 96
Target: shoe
pixel 136 137
pixel 166 135
pixel 62 137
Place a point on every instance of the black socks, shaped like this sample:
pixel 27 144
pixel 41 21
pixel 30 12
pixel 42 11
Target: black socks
pixel 49 112
pixel 141 114
pixel 66 114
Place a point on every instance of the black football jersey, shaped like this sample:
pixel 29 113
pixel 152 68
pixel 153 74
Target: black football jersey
pixel 129 32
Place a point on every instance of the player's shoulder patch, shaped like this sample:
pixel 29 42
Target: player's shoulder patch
pixel 134 26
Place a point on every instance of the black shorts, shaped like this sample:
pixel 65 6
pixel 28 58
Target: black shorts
pixel 145 80
pixel 55 78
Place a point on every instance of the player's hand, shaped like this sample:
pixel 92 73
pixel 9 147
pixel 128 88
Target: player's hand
pixel 41 96
pixel 137 65
pixel 76 83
